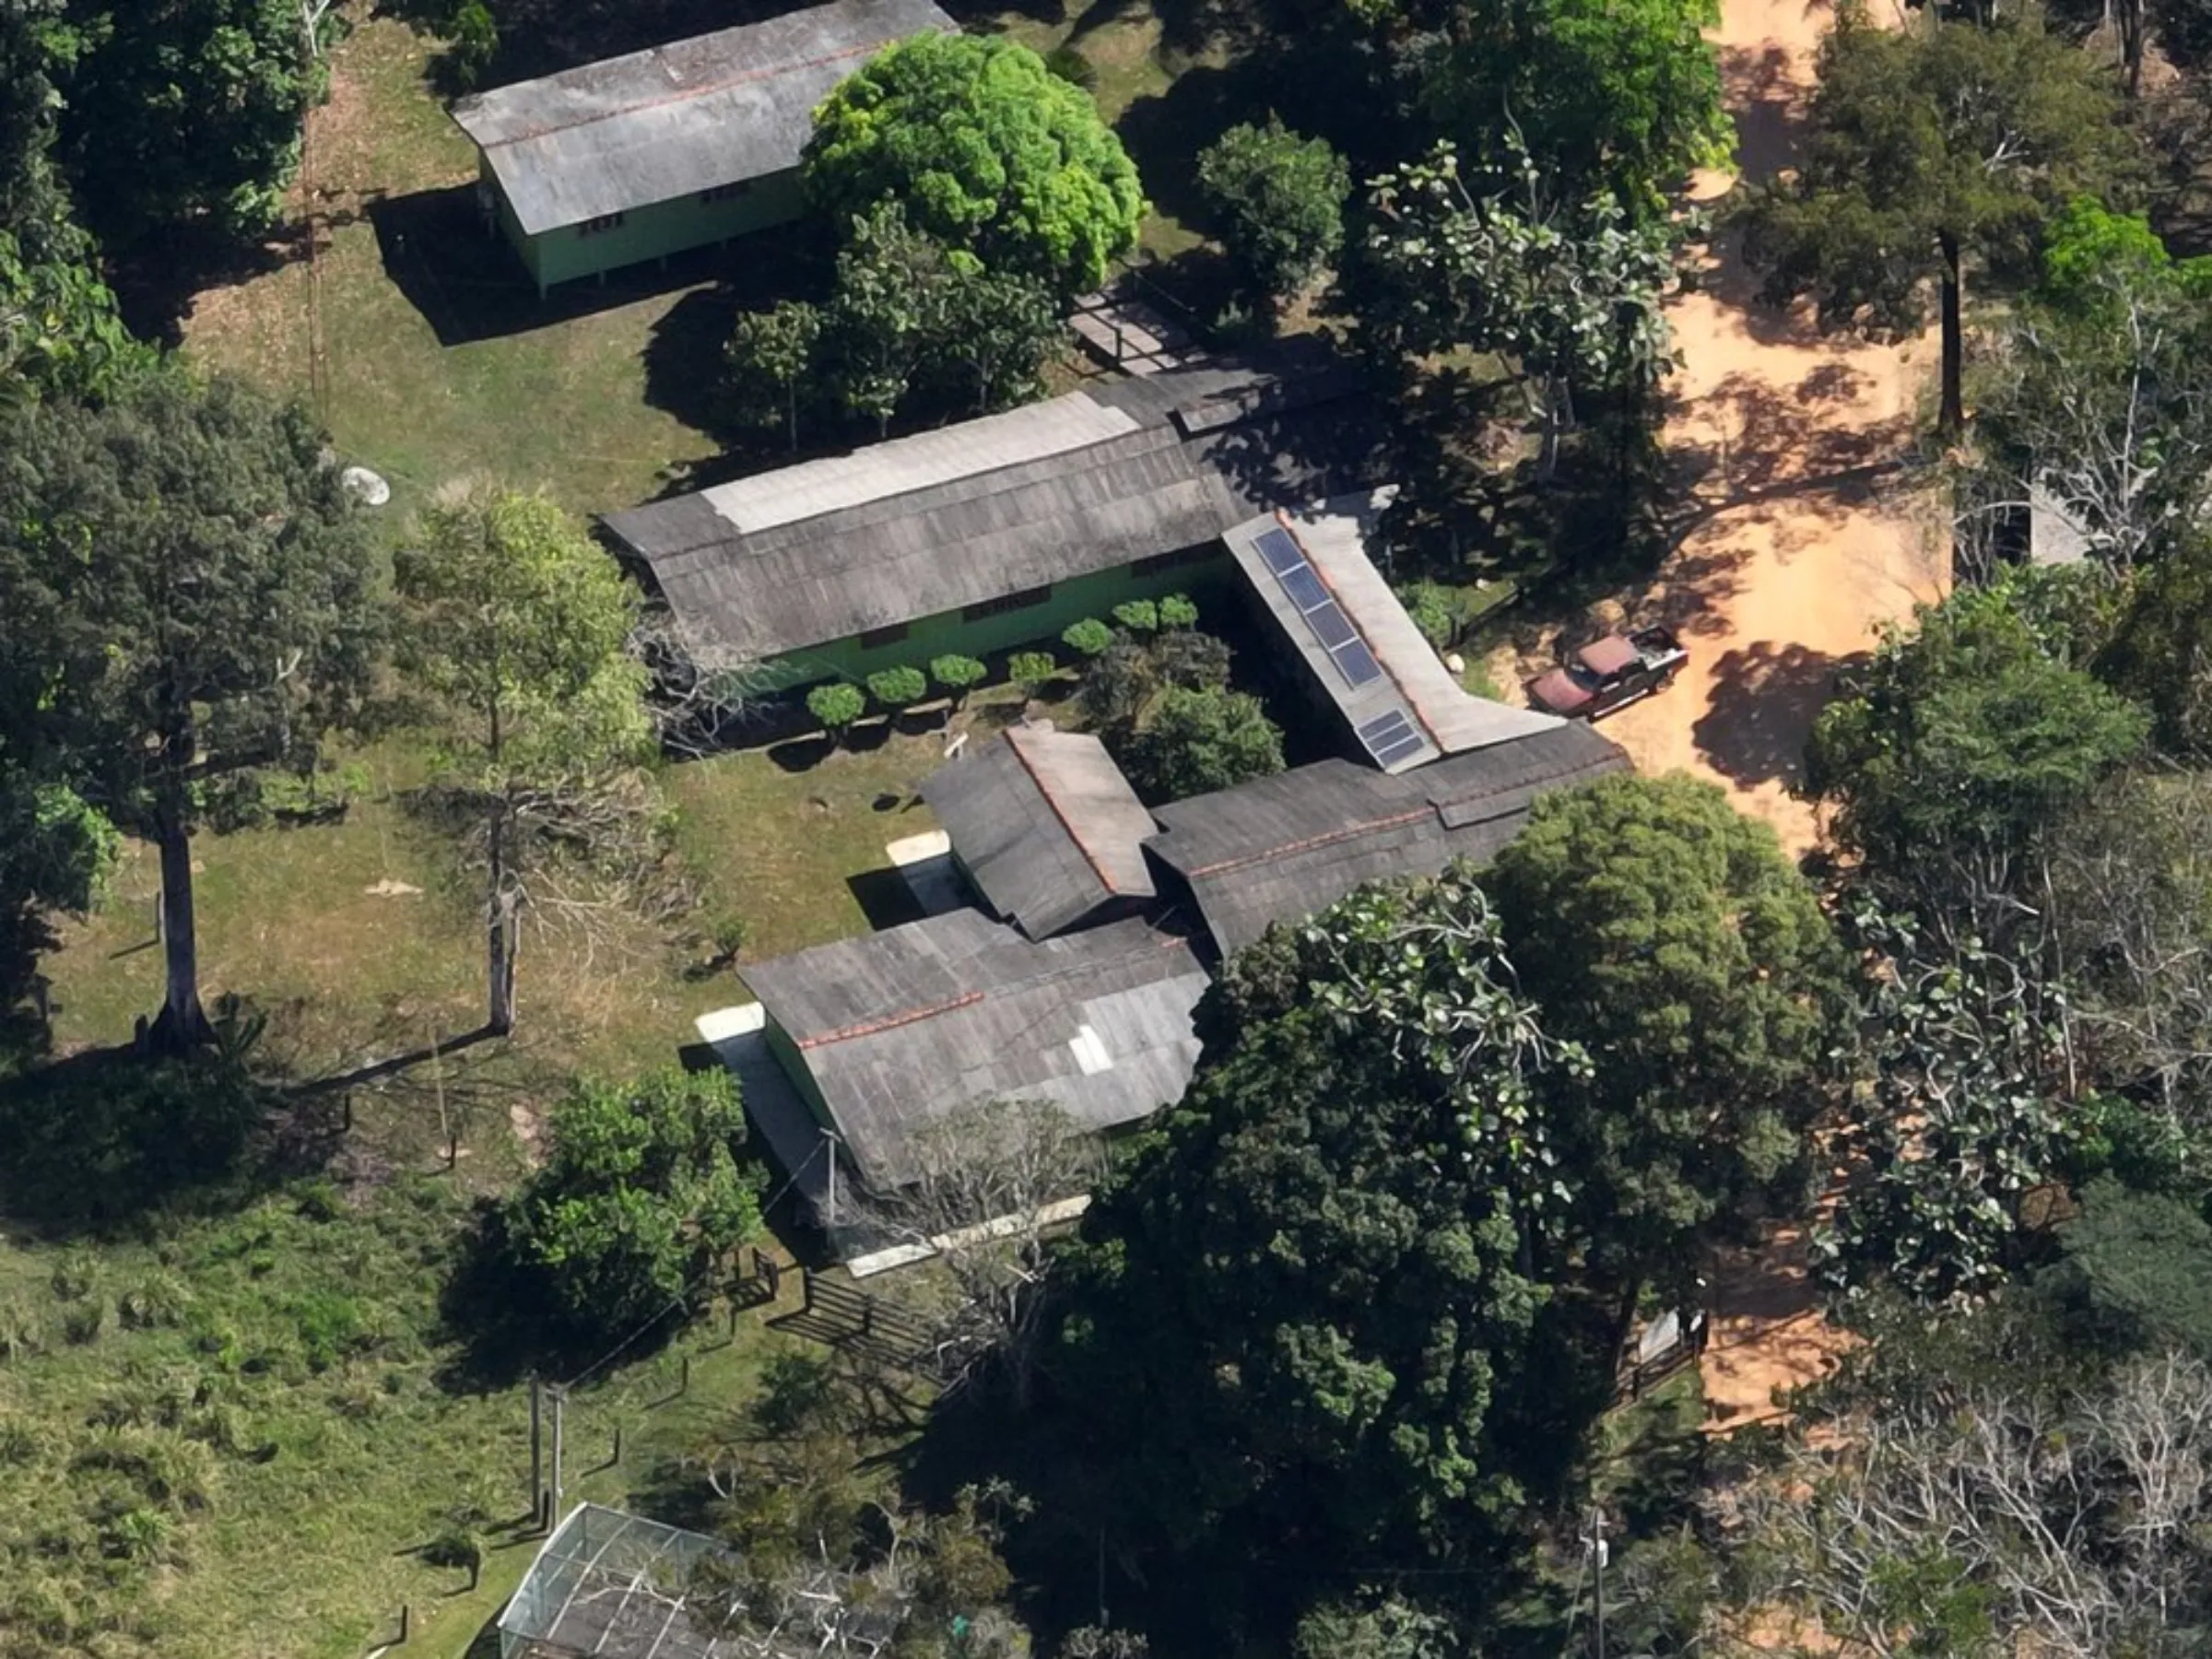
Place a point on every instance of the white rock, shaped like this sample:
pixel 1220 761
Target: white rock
pixel 1456 662
pixel 372 490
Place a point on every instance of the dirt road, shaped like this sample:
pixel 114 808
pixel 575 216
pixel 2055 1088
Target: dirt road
pixel 1791 441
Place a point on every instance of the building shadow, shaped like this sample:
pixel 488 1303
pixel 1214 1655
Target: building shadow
pixel 884 898
pixel 1765 697
pixel 469 284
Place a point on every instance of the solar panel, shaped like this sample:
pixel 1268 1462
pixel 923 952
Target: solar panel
pixel 1280 552
pixel 1305 588
pixel 1391 738
pixel 1357 664
pixel 1329 625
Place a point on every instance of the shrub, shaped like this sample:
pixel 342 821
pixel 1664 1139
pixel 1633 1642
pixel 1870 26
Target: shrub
pixel 1196 741
pixel 475 41
pixel 957 674
pixel 1138 615
pixel 837 705
pixel 1433 613
pixel 1178 610
pixel 330 1327
pixel 1279 199
pixel 1088 638
pixel 1033 671
pixel 640 1195
pixel 897 687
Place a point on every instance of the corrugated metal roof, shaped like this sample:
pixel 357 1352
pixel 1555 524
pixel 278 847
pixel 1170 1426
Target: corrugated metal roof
pixel 664 124
pixel 929 523
pixel 1414 683
pixel 900 1029
pixel 1279 849
pixel 1045 825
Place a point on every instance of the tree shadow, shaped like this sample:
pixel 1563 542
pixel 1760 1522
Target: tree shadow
pixel 105 1140
pixel 1767 107
pixel 544 37
pixel 157 279
pixel 685 353
pixel 1765 697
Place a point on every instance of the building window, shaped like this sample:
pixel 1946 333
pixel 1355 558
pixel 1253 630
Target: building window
pixel 889 634
pixel 605 221
pixel 724 192
pixel 1005 602
pixel 1203 553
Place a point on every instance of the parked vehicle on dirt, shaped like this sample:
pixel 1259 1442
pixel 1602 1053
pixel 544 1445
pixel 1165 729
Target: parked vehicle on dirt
pixel 1611 673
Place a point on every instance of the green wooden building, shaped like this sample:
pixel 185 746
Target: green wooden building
pixel 998 531
pixel 640 156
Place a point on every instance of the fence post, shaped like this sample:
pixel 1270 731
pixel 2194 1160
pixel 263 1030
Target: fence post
pixel 683 1378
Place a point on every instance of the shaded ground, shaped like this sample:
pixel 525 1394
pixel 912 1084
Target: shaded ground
pixel 1768 1335
pixel 1802 535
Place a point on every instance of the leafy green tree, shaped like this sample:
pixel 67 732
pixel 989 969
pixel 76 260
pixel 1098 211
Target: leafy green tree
pixel 517 629
pixel 1667 935
pixel 1966 1119
pixel 959 675
pixel 1196 740
pixel 1964 738
pixel 887 312
pixel 2137 1271
pixel 56 855
pixel 1313 1318
pixel 2160 654
pixel 1033 671
pixel 837 705
pixel 1088 638
pixel 1928 148
pixel 187 109
pixel 987 151
pixel 1280 200
pixel 1572 299
pixel 1000 328
pixel 771 357
pixel 638 1200
pixel 895 689
pixel 60 335
pixel 1615 96
pixel 1178 610
pixel 191 592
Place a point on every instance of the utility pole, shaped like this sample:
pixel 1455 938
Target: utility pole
pixel 1597 1557
pixel 537 1450
pixel 561 1398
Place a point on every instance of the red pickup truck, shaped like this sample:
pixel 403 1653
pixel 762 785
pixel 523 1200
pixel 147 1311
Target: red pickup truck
pixel 1611 673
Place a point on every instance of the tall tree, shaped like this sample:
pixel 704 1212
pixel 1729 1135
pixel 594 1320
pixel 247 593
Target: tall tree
pixel 987 150
pixel 190 591
pixel 1665 933
pixel 771 357
pixel 1316 1320
pixel 518 626
pixel 1929 149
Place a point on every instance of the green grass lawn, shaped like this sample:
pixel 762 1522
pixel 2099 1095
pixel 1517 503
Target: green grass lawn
pixel 230 1443
pixel 418 336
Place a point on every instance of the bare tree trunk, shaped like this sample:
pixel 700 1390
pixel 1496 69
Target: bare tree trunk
pixel 1950 419
pixel 2131 44
pixel 183 1022
pixel 499 928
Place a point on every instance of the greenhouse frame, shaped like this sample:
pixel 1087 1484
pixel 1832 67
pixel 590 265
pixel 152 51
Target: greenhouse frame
pixel 611 1585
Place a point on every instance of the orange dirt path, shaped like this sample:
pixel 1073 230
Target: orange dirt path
pixel 1791 443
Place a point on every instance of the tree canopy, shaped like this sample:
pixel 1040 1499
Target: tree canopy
pixel 1310 1317
pixel 190 591
pixel 1665 933
pixel 1928 147
pixel 1621 98
pixel 1279 198
pixel 987 151
pixel 1196 739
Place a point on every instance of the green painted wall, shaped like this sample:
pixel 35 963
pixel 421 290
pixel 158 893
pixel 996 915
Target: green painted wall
pixel 948 634
pixel 794 1067
pixel 664 227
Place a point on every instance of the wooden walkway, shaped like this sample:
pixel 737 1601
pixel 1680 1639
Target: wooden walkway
pixel 1126 332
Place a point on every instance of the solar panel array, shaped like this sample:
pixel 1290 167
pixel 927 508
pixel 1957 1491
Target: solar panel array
pixel 1391 738
pixel 1310 595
